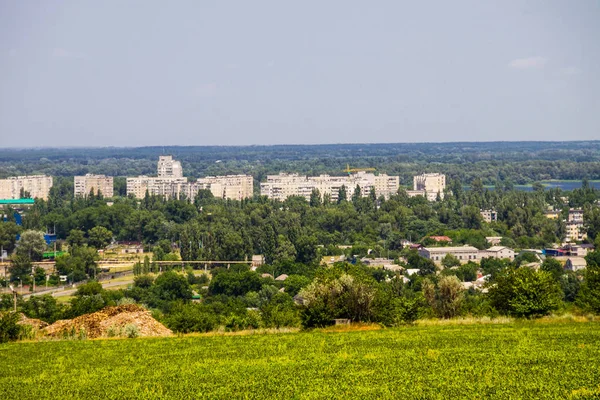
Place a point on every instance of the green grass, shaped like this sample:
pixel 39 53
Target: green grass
pixel 517 360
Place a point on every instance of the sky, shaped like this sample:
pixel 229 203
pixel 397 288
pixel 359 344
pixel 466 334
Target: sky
pixel 145 73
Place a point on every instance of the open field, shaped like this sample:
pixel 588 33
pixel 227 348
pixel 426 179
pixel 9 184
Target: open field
pixel 516 360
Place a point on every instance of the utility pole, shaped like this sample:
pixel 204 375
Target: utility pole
pixel 14 298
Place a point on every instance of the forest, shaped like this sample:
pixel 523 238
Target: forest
pixel 495 163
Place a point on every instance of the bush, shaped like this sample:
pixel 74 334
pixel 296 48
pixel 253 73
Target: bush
pixel 9 329
pixel 131 331
pixel 192 318
pixel 523 292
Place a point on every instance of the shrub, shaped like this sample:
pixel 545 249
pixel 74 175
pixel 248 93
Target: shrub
pixel 131 331
pixel 9 329
pixel 523 292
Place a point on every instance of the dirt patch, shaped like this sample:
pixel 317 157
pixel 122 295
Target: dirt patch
pixel 125 320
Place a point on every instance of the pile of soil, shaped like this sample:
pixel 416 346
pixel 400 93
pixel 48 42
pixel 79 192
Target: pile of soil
pixel 35 323
pixel 110 322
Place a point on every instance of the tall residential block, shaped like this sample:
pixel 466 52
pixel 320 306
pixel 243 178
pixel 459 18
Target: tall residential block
pixel 169 168
pixel 429 186
pixel 171 183
pixel 282 186
pixel 38 186
pixel 96 183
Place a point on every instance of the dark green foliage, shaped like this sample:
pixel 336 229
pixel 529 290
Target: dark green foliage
pixel 523 292
pixel 9 329
pixel 43 307
pixel 589 294
pixel 234 283
pixel 188 318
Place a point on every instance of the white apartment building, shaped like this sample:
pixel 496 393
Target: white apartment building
pixel 281 186
pixel 97 183
pixel 38 186
pixel 171 183
pixel 169 168
pixel 428 186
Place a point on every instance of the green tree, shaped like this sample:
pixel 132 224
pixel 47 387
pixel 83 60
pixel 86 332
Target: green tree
pixel 589 293
pixel 446 298
pixel 8 235
pixel 9 328
pixel 20 268
pixel 523 292
pixel 76 238
pixel 32 245
pixel 552 266
pixel 315 198
pixel 99 237
pixel 342 195
pixel 450 261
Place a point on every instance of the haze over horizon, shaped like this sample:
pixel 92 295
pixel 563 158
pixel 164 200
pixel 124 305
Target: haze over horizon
pixel 83 73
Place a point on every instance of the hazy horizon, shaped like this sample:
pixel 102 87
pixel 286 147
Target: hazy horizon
pixel 77 74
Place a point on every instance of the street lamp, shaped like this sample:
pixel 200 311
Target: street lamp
pixel 14 297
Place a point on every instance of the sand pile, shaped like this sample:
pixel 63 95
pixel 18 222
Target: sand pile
pixel 35 323
pixel 110 322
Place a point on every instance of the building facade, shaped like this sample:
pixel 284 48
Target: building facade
pixel 169 168
pixel 575 232
pixel 466 253
pixel 463 253
pixel 428 186
pixel 498 252
pixel 489 215
pixel 171 183
pixel 282 186
pixel 38 186
pixel 96 183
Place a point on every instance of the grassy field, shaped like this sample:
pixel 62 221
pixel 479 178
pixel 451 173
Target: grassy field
pixel 517 360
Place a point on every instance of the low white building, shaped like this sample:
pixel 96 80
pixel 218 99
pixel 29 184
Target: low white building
pixel 498 252
pixel 463 253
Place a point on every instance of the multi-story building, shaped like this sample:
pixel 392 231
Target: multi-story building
pixel 96 183
pixel 171 184
pixel 38 186
pixel 575 232
pixel 282 186
pixel 428 186
pixel 169 168
pixel 489 215
pixel 575 215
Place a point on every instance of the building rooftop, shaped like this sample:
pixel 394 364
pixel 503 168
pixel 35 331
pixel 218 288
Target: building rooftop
pixel 17 201
pixel 451 249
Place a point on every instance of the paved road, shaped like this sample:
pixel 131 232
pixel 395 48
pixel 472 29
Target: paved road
pixel 64 291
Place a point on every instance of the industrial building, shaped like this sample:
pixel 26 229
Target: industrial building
pixel 94 183
pixel 38 187
pixel 282 186
pixel 428 186
pixel 171 183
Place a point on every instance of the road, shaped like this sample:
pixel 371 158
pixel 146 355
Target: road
pixel 64 291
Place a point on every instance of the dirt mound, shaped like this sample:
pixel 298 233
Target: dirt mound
pixel 125 320
pixel 35 323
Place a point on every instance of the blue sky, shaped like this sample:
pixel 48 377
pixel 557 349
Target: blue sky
pixel 127 73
